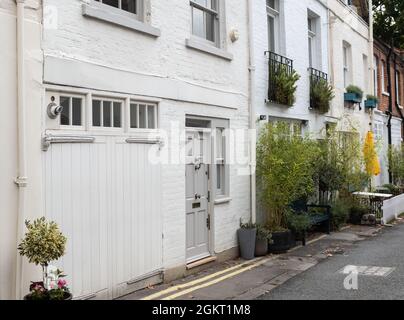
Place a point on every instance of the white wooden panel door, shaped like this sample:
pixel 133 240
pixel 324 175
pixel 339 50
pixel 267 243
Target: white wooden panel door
pixel 105 196
pixel 197 196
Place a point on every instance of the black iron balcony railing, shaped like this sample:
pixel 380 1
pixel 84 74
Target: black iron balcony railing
pixel 316 75
pixel 276 65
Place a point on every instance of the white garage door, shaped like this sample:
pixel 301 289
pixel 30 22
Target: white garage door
pixel 106 197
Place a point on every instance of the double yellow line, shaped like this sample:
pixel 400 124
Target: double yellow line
pixel 204 282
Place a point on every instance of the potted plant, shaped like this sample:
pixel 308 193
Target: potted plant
pixel 262 242
pixel 321 95
pixel 43 243
pixel 371 101
pixel 247 235
pixel 353 94
pixel 284 85
pixel 285 170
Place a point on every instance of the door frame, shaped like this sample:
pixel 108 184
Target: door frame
pixel 211 233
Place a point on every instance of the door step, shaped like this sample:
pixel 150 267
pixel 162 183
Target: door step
pixel 200 262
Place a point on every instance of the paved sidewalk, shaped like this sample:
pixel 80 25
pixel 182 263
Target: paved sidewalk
pixel 241 280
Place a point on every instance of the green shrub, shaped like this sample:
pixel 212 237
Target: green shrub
pixel 357 211
pixel 263 233
pixel 285 170
pixel 340 213
pixel 355 89
pixel 396 164
pixel 372 97
pixel 321 95
pixel 298 222
pixel 285 85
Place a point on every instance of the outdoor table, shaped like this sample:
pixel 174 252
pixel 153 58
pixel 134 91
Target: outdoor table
pixel 375 201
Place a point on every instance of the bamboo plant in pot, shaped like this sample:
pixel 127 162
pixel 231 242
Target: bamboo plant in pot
pixel 43 243
pixel 285 170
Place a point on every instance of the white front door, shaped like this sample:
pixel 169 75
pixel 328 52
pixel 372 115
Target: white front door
pixel 197 195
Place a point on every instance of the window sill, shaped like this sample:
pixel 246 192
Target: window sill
pixel 96 12
pixel 194 44
pixel 386 94
pixel 401 107
pixel 223 200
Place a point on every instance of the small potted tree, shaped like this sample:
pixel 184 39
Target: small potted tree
pixel 321 95
pixel 371 101
pixel 263 240
pixel 43 243
pixel 247 235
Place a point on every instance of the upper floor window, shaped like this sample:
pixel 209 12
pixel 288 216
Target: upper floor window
pixel 273 25
pixel 376 75
pixel 365 72
pixel 347 64
pixel 132 6
pixel 205 19
pixel 312 38
pixel 382 79
pixel 398 86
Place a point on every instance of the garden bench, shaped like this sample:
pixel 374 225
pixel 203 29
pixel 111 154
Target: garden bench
pixel 316 219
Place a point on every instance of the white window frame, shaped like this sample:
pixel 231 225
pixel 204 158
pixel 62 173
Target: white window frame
pixel 397 85
pixel 312 39
pixel 148 105
pixel 216 22
pixel 57 121
pixel 346 58
pixel 101 127
pixel 222 194
pixel 382 80
pixel 273 13
pixel 376 75
pixel 139 15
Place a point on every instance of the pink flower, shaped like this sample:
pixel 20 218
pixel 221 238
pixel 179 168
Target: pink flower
pixel 61 283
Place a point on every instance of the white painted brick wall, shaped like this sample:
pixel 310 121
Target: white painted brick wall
pixel 83 39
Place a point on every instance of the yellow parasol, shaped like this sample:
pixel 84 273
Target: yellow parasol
pixel 371 159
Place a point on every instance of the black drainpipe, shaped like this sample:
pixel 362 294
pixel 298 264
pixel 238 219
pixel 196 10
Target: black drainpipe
pixel 390 111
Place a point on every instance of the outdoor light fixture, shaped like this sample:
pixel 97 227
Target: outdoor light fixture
pixel 53 109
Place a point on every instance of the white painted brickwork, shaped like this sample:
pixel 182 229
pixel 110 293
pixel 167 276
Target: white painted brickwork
pixel 111 58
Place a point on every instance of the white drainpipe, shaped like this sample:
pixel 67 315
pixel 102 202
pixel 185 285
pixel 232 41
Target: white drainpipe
pixel 252 112
pixel 371 48
pixel 21 180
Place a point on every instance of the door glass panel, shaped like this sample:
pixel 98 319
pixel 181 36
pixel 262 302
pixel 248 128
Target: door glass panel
pixel 77 111
pixel 96 113
pixel 106 113
pixel 151 117
pixel 133 116
pixel 117 114
pixel 142 116
pixel 65 116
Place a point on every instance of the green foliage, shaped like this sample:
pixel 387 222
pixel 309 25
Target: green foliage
pixel 285 168
pixel 321 95
pixel 355 89
pixel 392 189
pixel 340 213
pixel 396 164
pixel 340 164
pixel 372 97
pixel 263 233
pixel 285 85
pixel 389 21
pixel 298 222
pixel 43 242
pixel 357 211
pixel 247 225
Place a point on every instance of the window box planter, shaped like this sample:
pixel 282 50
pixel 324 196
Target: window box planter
pixel 352 97
pixel 371 104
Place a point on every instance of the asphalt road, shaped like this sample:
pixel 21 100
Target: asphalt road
pixel 324 282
